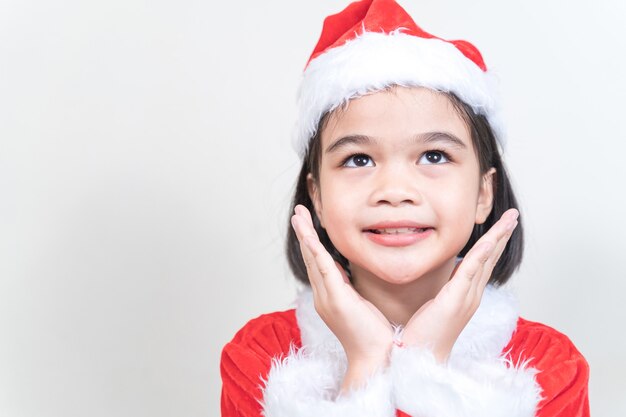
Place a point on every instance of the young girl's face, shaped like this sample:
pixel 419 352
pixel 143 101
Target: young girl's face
pixel 399 187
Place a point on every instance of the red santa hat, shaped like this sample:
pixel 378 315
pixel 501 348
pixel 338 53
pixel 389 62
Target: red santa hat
pixel 374 44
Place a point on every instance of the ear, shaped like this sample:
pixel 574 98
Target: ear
pixel 485 196
pixel 314 195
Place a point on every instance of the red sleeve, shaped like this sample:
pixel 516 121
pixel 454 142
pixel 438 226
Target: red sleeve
pixel 563 372
pixel 246 361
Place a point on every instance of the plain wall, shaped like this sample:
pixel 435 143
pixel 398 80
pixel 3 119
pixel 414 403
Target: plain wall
pixel 146 172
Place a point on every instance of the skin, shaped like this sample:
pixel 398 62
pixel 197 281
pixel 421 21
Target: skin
pixel 414 161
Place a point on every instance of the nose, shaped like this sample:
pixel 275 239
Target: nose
pixel 395 185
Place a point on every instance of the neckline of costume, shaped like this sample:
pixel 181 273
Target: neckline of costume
pixel 485 336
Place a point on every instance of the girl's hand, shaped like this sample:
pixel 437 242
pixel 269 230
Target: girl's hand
pixel 439 322
pixel 362 329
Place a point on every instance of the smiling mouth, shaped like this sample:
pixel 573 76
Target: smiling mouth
pixel 398 236
pixel 399 230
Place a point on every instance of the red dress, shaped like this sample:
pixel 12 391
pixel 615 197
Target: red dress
pixel 501 365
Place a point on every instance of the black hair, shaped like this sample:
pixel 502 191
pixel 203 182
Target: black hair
pixel 486 148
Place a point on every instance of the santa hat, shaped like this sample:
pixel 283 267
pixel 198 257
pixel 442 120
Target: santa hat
pixel 374 44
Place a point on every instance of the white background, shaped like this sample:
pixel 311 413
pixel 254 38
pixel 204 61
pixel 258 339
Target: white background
pixel 146 171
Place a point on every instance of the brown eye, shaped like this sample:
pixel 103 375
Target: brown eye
pixel 358 160
pixel 433 158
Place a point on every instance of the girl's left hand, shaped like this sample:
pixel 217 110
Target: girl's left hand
pixel 439 322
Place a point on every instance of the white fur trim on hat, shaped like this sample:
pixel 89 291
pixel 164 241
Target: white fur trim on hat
pixel 374 61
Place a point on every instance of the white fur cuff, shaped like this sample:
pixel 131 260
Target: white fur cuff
pixel 462 387
pixel 307 386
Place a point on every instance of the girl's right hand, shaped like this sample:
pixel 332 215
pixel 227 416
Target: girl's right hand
pixel 362 329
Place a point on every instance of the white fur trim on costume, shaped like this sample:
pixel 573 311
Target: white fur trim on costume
pixel 464 387
pixel 374 61
pixel 476 381
pixel 486 334
pixel 315 334
pixel 305 385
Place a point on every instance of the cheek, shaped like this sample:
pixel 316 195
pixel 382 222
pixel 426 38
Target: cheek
pixel 342 233
pixel 458 202
pixel 336 212
pixel 338 208
pixel 335 199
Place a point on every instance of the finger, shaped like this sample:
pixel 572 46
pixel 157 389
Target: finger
pixel 470 268
pixel 331 277
pixel 306 214
pixel 302 213
pixel 306 224
pixel 502 226
pixel 500 234
pixel 496 234
pixel 495 256
pixel 478 257
pixel 321 267
pixel 307 256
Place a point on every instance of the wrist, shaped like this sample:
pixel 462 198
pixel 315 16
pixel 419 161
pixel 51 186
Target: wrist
pixel 360 369
pixel 441 354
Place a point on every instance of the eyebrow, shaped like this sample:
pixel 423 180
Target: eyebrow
pixel 427 138
pixel 446 137
pixel 349 140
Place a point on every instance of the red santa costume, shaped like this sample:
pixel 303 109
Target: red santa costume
pixel 289 364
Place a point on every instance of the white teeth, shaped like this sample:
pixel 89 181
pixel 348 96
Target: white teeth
pixel 399 230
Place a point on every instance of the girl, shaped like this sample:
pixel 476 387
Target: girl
pixel 404 227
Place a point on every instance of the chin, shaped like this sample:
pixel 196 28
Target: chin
pixel 401 276
pixel 394 280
